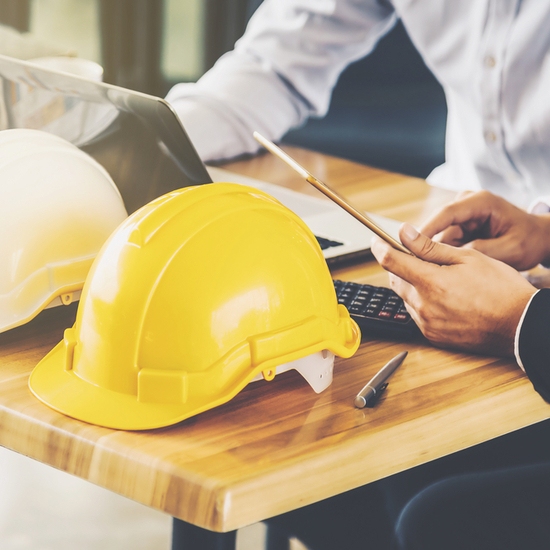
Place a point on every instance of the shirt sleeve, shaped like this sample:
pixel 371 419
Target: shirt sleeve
pixel 533 342
pixel 540 206
pixel 281 72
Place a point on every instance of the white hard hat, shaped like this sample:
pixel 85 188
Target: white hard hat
pixel 57 208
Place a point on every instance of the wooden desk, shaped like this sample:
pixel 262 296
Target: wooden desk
pixel 270 449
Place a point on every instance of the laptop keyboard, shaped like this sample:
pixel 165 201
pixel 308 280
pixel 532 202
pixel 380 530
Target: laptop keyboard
pixel 327 243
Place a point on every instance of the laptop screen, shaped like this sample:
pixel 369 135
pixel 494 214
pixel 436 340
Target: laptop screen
pixel 136 137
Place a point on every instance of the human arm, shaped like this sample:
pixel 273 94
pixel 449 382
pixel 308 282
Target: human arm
pixel 488 223
pixel 459 298
pixel 281 72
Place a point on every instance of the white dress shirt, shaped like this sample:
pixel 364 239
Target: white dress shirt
pixel 492 58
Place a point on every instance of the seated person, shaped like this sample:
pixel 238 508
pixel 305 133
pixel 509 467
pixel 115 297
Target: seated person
pixel 465 292
pixel 490 60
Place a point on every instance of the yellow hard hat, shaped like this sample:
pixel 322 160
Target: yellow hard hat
pixel 191 298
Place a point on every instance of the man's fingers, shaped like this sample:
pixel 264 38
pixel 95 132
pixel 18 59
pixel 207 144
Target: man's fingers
pixel 453 235
pixel 473 208
pixel 427 249
pixel 440 221
pixel 502 248
pixel 418 268
pixel 401 287
pixel 486 246
pixel 403 265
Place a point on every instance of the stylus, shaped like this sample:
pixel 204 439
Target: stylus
pixel 330 193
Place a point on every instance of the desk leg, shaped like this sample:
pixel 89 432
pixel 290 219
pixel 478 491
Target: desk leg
pixel 190 537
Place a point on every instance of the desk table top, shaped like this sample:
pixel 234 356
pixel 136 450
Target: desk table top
pixel 278 446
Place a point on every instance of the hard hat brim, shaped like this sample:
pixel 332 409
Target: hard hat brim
pixel 64 391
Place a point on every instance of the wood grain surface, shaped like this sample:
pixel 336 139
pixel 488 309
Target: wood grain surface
pixel 278 446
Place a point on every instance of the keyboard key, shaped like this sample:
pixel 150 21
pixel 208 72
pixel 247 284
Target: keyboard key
pixel 401 317
pixel 377 310
pixel 384 314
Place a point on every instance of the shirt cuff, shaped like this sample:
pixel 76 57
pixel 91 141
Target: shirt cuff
pixel 540 206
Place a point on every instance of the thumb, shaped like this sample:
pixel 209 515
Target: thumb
pixel 424 248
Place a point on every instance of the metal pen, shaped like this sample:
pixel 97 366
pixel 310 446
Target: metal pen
pixel 371 392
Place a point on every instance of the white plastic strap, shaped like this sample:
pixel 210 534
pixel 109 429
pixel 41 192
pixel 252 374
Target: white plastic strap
pixel 316 368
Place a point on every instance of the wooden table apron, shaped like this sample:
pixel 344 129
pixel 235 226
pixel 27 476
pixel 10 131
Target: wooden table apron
pixel 278 446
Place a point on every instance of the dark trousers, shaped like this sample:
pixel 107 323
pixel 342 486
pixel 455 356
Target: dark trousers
pixel 383 515
pixel 507 509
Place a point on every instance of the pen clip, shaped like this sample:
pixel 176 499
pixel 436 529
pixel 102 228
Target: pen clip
pixel 376 397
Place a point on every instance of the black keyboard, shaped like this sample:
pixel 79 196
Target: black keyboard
pixel 378 310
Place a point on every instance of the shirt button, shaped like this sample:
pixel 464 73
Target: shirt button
pixel 490 61
pixel 490 136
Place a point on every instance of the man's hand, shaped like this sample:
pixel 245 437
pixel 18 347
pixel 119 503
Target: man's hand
pixel 458 297
pixel 485 222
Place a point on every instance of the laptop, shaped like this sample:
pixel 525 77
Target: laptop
pixel 141 142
